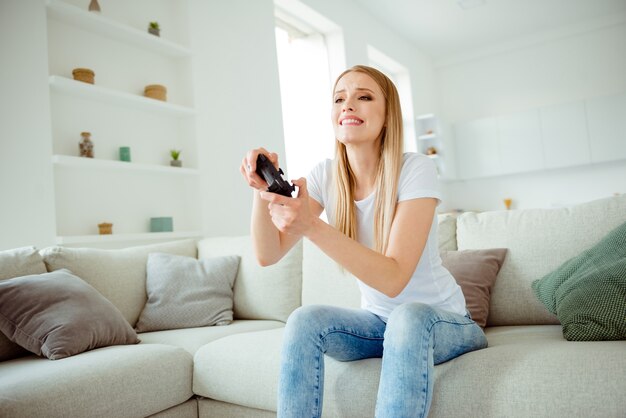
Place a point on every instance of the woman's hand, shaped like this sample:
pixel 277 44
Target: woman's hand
pixel 248 168
pixel 291 215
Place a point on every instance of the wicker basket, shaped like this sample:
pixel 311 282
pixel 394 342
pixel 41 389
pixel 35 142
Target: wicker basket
pixel 105 228
pixel 83 74
pixel 156 91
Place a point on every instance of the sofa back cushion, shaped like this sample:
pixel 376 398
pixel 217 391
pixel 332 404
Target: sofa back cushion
pixel 119 275
pixel 271 292
pixel 539 241
pixel 19 262
pixel 325 282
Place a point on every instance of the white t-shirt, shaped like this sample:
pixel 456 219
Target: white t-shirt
pixel 431 283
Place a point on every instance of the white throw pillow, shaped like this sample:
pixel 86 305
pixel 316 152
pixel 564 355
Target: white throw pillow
pixel 184 292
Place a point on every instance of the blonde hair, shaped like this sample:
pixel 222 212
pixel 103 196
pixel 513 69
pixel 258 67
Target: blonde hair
pixel 387 171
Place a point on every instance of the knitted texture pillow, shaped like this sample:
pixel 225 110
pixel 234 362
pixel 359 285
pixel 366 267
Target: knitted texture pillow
pixel 588 292
pixel 184 292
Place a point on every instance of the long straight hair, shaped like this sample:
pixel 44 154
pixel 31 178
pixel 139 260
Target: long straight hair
pixel 387 170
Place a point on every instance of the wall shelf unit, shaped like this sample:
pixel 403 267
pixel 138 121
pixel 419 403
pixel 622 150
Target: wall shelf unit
pixel 112 97
pixel 95 163
pixel 89 191
pixel 429 136
pixel 95 23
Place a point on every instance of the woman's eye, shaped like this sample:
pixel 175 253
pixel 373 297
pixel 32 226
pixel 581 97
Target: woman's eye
pixel 338 100
pixel 366 98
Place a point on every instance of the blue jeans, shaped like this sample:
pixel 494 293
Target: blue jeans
pixel 414 339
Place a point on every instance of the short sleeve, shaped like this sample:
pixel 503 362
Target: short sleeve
pixel 315 182
pixel 418 178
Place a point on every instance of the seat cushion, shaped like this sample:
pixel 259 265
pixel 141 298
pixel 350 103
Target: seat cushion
pixel 539 240
pixel 191 339
pixel 526 371
pixel 120 381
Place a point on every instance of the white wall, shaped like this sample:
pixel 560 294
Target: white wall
pixel 582 62
pixel 27 201
pixel 237 97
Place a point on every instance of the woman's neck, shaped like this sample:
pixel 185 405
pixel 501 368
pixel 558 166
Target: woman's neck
pixel 364 164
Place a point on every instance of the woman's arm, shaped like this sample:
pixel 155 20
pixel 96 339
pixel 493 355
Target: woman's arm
pixel 388 273
pixel 270 244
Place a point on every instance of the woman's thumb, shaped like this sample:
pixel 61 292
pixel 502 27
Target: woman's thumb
pixel 302 190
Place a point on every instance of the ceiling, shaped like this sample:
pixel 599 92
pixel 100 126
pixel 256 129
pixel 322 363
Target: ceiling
pixel 443 29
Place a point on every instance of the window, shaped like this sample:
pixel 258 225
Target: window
pixel 305 90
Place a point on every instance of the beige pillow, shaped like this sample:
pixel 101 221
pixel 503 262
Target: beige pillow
pixel 184 292
pixel 475 271
pixel 14 263
pixel 58 315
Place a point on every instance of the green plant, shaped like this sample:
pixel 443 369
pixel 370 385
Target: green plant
pixel 154 25
pixel 175 154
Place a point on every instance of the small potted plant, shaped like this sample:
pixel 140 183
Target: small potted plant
pixel 154 28
pixel 175 162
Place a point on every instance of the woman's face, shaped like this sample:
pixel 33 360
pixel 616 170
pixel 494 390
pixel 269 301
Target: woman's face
pixel 358 112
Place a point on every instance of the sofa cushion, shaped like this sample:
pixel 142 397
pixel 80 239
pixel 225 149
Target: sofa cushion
pixel 14 263
pixel 271 292
pixel 588 292
pixel 539 240
pixel 57 315
pixel 244 369
pixel 22 261
pixel 184 292
pixel 191 339
pixel 475 271
pixel 119 275
pixel 118 381
pixel 446 232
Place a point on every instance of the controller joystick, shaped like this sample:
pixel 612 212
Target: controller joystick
pixel 273 177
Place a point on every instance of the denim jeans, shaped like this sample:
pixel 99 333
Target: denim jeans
pixel 414 339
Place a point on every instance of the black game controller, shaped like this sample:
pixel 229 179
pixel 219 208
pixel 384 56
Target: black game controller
pixel 273 177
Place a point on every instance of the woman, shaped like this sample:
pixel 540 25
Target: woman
pixel 380 204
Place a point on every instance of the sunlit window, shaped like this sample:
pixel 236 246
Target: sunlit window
pixel 305 91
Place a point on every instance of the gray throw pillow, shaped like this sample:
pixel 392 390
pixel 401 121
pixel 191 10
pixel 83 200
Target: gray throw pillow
pixel 476 272
pixel 184 292
pixel 57 315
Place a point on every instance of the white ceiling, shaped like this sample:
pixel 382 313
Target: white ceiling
pixel 442 29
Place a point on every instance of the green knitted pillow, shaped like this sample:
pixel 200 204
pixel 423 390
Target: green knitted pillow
pixel 588 292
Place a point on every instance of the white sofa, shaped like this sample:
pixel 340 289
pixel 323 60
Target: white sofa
pixel 529 369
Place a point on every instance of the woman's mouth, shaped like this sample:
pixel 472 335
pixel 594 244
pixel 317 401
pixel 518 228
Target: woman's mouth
pixel 352 121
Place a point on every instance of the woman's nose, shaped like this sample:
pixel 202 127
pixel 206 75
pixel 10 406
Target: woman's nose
pixel 348 106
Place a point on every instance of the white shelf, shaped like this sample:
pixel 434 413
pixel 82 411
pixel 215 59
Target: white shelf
pixel 427 137
pixel 426 117
pixel 82 162
pixel 83 90
pixel 96 23
pixel 148 236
